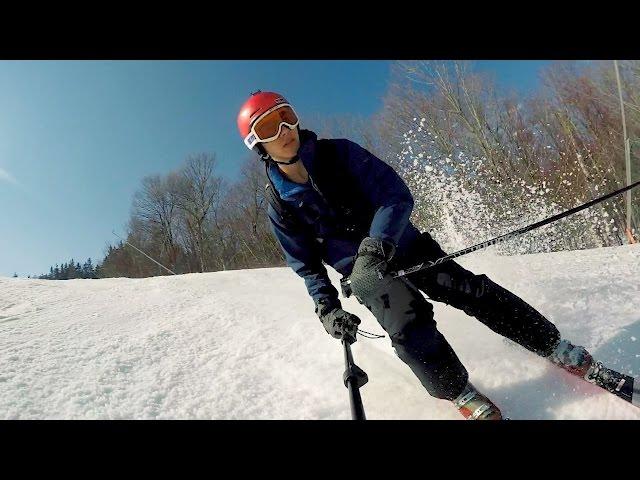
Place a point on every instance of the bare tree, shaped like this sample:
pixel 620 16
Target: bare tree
pixel 156 206
pixel 197 191
pixel 247 219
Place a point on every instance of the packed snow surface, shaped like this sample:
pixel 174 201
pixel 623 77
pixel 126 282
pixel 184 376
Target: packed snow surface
pixel 247 345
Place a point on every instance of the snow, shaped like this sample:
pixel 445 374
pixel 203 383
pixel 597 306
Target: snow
pixel 247 345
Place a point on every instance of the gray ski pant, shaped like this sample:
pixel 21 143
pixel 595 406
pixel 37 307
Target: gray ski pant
pixel 408 319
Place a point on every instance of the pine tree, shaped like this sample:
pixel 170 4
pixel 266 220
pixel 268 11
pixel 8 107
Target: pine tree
pixel 87 269
pixel 71 267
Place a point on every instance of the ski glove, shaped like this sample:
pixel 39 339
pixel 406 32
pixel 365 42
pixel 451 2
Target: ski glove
pixel 336 321
pixel 369 272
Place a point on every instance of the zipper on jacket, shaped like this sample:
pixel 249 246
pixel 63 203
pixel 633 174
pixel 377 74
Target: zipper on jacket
pixel 313 184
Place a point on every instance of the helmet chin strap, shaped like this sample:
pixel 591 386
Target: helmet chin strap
pixel 293 160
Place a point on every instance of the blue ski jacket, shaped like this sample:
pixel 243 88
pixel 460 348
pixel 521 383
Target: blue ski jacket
pixel 350 194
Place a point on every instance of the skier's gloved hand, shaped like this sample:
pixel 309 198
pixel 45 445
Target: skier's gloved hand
pixel 336 321
pixel 370 267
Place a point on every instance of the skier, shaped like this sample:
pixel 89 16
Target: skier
pixel 332 201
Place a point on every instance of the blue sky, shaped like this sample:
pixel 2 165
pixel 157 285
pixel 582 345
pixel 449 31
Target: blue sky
pixel 77 137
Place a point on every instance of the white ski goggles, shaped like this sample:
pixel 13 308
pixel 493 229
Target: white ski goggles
pixel 268 126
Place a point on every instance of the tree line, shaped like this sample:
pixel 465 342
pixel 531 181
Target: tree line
pixel 190 220
pixel 72 269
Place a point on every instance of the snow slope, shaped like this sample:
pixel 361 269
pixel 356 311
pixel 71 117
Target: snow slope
pixel 247 345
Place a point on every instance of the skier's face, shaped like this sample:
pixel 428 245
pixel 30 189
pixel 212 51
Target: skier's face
pixel 285 147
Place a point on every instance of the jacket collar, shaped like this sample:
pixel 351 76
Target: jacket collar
pixel 307 150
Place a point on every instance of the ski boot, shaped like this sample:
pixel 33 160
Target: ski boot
pixel 475 406
pixel 574 359
pixel 620 384
pixel 580 362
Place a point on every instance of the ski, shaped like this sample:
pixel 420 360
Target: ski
pixel 621 385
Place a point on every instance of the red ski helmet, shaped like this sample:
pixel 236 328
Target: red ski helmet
pixel 258 104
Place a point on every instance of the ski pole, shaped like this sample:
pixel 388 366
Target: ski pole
pixel 354 378
pixel 510 235
pixel 138 250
